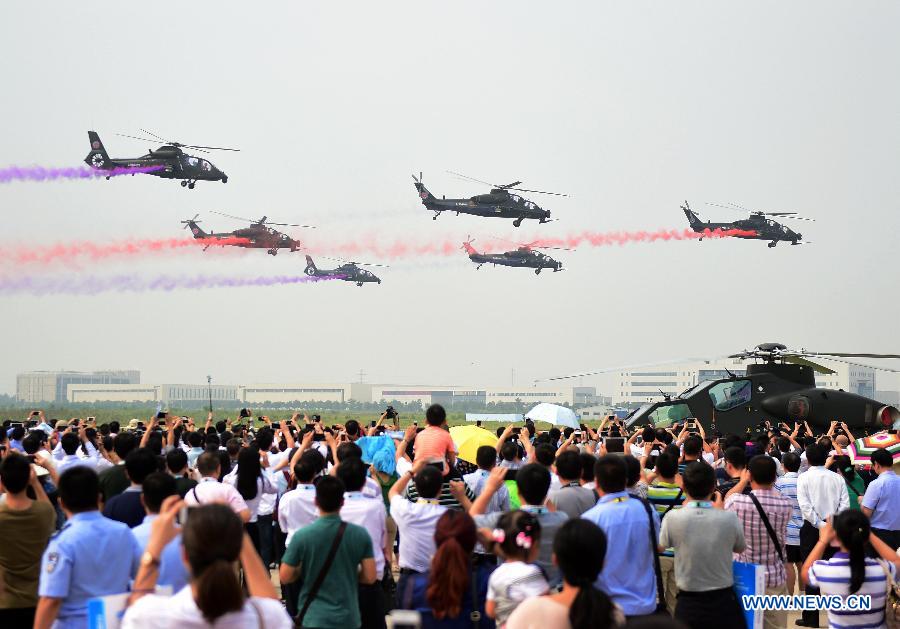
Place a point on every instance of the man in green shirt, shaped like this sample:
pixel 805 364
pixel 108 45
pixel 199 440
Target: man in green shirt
pixel 335 604
pixel 26 525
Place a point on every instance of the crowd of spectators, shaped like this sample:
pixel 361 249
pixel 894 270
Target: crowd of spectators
pixel 294 523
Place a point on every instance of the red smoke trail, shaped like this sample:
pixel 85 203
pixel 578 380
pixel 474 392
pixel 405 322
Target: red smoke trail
pixel 595 239
pixel 370 246
pixel 100 251
pixel 375 247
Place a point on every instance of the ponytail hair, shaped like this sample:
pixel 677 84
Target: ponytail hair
pixel 852 529
pixel 580 548
pixel 450 567
pixel 591 608
pixel 218 590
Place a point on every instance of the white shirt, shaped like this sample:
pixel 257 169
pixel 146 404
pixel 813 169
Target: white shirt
pixel 296 509
pixel 73 460
pixel 821 493
pixel 180 611
pixel 263 486
pixel 416 522
pixel 370 514
pixel 210 490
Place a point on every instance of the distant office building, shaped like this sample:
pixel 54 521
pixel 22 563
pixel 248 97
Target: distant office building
pixel 286 393
pixel 652 383
pixel 41 387
pixel 300 393
pixel 167 395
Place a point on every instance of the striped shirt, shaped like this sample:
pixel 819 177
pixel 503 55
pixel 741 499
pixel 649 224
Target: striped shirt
pixel 832 577
pixel 445 499
pixel 787 485
pixel 665 497
pixel 760 548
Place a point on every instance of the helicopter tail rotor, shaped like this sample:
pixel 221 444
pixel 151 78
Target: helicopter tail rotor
pixel 188 222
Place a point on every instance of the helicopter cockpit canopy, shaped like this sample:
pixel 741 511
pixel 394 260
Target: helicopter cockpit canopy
pixel 661 414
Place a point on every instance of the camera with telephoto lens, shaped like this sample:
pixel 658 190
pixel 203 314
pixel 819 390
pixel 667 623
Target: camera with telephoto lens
pixel 390 413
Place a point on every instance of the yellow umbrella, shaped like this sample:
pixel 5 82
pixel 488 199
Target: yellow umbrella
pixel 469 438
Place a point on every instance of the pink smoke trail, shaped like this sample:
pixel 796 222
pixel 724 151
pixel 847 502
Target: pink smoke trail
pixel 39 173
pixel 99 251
pixel 364 246
pixel 402 248
pixel 94 285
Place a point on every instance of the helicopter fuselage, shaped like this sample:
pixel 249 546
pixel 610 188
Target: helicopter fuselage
pixel 518 258
pixel 348 272
pixel 498 204
pixel 173 163
pixel 754 228
pixel 785 392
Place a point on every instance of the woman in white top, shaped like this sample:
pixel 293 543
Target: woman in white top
pixel 252 482
pixel 849 571
pixel 213 538
pixel 578 549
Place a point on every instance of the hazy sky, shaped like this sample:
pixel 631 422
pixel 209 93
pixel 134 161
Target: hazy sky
pixel 630 107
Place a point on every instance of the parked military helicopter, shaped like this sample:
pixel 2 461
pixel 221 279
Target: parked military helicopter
pixel 174 163
pixel 758 226
pixel 781 386
pixel 257 236
pixel 524 256
pixel 499 203
pixel 349 272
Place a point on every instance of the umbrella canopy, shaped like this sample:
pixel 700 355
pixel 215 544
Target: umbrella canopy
pixel 553 414
pixel 861 450
pixel 469 438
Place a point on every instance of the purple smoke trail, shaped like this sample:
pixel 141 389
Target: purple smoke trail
pixel 39 173
pixel 92 285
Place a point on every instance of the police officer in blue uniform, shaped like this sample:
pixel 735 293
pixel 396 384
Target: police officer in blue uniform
pixel 90 556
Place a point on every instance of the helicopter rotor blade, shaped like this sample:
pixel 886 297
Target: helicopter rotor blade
pixel 134 137
pixel 799 360
pixel 846 355
pixel 237 218
pixel 555 194
pixel 629 367
pixel 354 262
pixel 158 137
pixel 850 362
pixel 292 225
pixel 209 148
pixel 469 178
pixel 726 207
pixel 794 218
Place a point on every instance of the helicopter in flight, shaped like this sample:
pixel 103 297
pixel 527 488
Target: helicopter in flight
pixel 173 162
pixel 348 271
pixel 781 384
pixel 499 202
pixel 523 256
pixel 757 227
pixel 257 236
